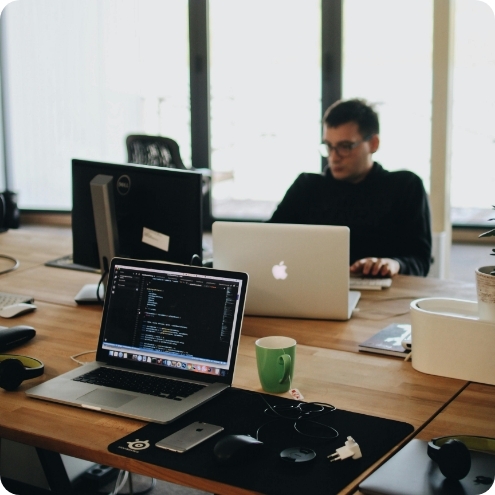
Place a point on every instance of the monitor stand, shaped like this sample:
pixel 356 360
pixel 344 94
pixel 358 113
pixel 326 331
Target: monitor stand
pixel 67 262
pixel 106 236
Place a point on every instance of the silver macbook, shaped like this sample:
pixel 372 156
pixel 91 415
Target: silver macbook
pixel 299 271
pixel 168 342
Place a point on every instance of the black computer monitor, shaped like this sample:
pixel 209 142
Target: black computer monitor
pixel 158 212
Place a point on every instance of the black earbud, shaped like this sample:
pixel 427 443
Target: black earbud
pixel 452 457
pixel 452 454
pixel 14 369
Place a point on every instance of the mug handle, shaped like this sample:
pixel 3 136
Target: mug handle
pixel 285 360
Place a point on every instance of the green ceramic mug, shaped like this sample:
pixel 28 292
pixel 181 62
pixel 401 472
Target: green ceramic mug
pixel 275 357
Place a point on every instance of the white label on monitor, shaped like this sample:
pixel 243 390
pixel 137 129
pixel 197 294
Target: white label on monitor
pixel 155 239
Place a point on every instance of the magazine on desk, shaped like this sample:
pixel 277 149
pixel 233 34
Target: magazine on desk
pixel 388 340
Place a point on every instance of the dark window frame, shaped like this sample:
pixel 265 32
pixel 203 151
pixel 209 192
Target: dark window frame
pixel 331 80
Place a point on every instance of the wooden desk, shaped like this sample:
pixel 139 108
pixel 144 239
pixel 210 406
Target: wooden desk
pixel 325 370
pixel 358 382
pixel 376 310
pixel 471 413
pixel 36 245
pixel 33 246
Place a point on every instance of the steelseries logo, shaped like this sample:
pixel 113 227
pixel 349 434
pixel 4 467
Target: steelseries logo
pixel 123 185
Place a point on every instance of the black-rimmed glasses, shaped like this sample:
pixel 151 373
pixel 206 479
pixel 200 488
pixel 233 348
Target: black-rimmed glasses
pixel 342 149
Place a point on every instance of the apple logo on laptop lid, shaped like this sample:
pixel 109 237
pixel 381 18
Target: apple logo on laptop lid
pixel 279 271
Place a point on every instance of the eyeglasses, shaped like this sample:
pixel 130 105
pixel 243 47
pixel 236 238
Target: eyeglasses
pixel 342 149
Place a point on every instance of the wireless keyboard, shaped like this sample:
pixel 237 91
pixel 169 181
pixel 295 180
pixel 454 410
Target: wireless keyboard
pixel 7 299
pixel 365 283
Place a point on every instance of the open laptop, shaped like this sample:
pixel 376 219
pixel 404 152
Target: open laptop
pixel 160 321
pixel 299 271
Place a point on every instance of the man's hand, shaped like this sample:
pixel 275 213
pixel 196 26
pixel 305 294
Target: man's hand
pixel 376 267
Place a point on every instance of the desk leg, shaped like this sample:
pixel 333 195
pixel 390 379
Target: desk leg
pixel 55 472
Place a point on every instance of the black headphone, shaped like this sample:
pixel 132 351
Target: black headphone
pixel 14 369
pixel 452 453
pixel 9 212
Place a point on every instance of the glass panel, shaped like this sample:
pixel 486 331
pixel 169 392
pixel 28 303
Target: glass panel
pixel 80 77
pixel 265 101
pixel 387 59
pixel 473 139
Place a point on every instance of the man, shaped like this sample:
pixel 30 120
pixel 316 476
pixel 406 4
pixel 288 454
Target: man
pixel 387 212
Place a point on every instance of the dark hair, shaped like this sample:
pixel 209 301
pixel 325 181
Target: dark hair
pixel 355 110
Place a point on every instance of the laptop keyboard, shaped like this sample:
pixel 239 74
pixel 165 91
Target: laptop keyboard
pixel 364 283
pixel 138 382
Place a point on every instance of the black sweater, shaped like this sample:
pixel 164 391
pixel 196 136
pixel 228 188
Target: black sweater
pixel 387 213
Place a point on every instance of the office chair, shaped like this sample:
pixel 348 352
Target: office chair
pixel 162 152
pixel 153 150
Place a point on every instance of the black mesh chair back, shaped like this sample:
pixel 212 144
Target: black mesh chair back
pixel 153 150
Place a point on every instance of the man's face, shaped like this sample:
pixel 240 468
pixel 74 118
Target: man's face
pixel 354 164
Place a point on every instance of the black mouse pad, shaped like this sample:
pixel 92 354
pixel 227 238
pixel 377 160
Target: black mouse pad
pixel 248 413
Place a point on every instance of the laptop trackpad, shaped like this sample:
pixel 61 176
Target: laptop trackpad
pixel 106 398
